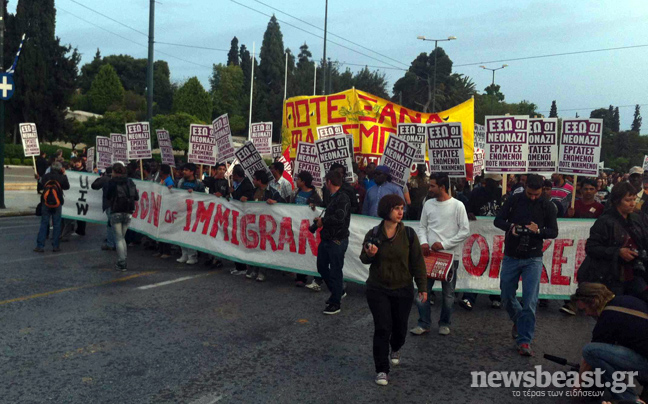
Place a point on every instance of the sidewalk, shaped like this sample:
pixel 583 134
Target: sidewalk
pixel 20 203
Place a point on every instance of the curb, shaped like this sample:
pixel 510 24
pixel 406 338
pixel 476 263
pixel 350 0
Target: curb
pixel 20 186
pixel 16 213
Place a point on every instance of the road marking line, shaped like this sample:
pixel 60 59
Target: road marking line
pixel 48 256
pixel 54 292
pixel 185 278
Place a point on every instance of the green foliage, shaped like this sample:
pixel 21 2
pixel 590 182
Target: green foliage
pixel 269 103
pixel 553 113
pixel 192 99
pixel 178 126
pixel 636 121
pixel 106 91
pixel 16 161
pixel 372 82
pixel 15 151
pixel 233 54
pixel 227 95
pixel 616 120
pixel 490 105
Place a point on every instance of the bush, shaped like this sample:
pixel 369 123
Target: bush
pixel 15 161
pixel 27 161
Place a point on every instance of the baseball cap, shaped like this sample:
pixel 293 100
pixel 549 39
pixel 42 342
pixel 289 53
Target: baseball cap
pixel 383 169
pixel 495 177
pixel 636 170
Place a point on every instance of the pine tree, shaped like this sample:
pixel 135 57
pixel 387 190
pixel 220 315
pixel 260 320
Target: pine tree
pixel 228 95
pixel 192 99
pixel 554 110
pixel 233 55
pixel 304 72
pixel 636 122
pixel 106 91
pixel 271 77
pixel 46 73
pixel 616 120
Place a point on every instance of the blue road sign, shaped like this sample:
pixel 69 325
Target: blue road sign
pixel 6 86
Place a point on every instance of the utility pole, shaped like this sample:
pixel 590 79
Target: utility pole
pixel 324 58
pixel 2 110
pixel 149 70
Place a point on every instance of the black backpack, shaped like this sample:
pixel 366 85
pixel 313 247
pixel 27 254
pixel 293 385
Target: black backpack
pixel 52 194
pixel 124 201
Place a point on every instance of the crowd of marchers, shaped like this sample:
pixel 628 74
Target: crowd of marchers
pixel 612 279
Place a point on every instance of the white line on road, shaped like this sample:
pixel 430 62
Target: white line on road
pixel 49 256
pixel 185 278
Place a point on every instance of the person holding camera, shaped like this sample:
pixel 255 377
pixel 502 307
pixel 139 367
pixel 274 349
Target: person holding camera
pixel 335 240
pixel 528 219
pixel 619 339
pixel 394 254
pixel 616 247
pixel 443 228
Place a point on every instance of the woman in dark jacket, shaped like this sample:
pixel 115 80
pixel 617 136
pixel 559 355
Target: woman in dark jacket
pixel 616 247
pixel 395 256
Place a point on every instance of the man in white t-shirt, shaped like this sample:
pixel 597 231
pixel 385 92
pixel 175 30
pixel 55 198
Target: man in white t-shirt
pixel 443 227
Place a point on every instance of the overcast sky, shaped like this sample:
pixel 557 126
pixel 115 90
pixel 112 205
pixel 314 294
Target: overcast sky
pixel 486 31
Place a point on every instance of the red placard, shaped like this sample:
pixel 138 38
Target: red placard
pixel 438 265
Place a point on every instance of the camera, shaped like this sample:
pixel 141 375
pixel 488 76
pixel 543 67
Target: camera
pixel 639 263
pixel 522 230
pixel 373 240
pixel 313 227
pixel 524 233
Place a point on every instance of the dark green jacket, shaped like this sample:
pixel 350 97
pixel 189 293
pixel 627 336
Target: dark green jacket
pixel 396 262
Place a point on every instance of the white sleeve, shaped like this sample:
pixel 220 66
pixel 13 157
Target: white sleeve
pixel 463 225
pixel 421 231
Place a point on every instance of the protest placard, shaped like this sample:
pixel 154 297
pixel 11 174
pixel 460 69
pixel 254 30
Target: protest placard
pixel 398 156
pixel 261 136
pixel 580 146
pixel 306 160
pixel 138 141
pixel 118 144
pixel 90 157
pixel 276 151
pixel 445 149
pixel 29 138
pixel 414 134
pixel 201 145
pixel 104 153
pixel 251 160
pixel 479 146
pixel 223 135
pixel 166 147
pixel 645 163
pixel 327 131
pixel 335 150
pixel 543 146
pixel 507 144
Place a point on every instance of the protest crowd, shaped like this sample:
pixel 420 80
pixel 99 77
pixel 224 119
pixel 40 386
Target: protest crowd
pixel 612 279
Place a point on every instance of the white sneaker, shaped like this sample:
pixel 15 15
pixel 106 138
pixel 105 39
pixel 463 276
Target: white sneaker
pixel 183 259
pixel 418 330
pixel 444 330
pixel 395 358
pixel 192 261
pixel 314 286
pixel 381 379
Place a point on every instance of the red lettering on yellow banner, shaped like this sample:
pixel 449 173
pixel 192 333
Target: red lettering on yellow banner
pixel 388 112
pixel 332 108
pixel 298 121
pixel 412 119
pixel 318 108
pixel 372 134
pixel 369 108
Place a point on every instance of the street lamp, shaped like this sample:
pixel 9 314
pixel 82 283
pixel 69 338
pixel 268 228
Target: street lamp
pixel 493 82
pixel 436 41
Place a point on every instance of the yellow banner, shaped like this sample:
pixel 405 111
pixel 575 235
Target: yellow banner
pixel 369 119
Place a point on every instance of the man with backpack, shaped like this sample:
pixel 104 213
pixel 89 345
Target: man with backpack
pixel 51 206
pixel 121 196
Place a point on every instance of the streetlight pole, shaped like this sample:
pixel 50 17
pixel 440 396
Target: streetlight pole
pixel 2 110
pixel 324 58
pixel 436 43
pixel 149 67
pixel 493 82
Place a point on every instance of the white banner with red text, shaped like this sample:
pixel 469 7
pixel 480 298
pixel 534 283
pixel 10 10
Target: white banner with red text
pixel 277 236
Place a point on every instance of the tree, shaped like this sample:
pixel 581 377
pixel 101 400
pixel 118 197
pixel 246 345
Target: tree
pixel 304 72
pixel 162 88
pixel 554 110
pixel 106 91
pixel 228 95
pixel 246 66
pixel 271 76
pixel 372 82
pixel 178 126
pixel 616 120
pixel 192 99
pixel 46 75
pixel 233 55
pixel 606 114
pixel 636 121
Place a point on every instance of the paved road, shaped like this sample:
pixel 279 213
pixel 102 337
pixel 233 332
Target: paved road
pixel 19 174
pixel 75 331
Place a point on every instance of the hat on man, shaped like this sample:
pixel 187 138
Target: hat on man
pixel 383 169
pixel 494 177
pixel 636 170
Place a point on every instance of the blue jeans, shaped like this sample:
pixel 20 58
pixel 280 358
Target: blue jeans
pixel 523 316
pixel 55 215
pixel 110 234
pixel 447 302
pixel 330 260
pixel 612 358
pixel 120 222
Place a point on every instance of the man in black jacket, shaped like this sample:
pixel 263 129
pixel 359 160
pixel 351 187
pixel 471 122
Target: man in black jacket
pixel 528 219
pixel 52 204
pixel 346 188
pixel 102 183
pixel 217 183
pixel 335 240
